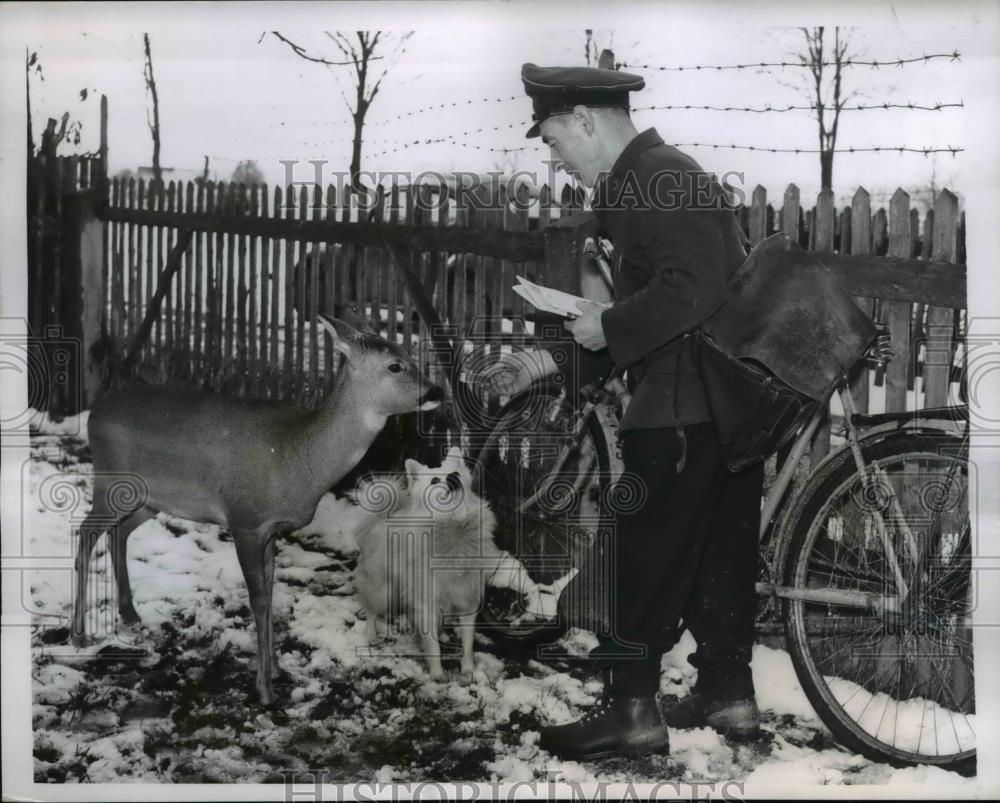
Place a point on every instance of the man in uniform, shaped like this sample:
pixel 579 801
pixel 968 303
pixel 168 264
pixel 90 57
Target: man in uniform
pixel 688 554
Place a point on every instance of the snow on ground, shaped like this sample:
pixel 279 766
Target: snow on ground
pixel 170 700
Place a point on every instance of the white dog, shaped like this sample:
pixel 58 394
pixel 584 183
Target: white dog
pixel 427 550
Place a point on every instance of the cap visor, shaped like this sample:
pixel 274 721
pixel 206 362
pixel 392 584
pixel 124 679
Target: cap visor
pixel 534 131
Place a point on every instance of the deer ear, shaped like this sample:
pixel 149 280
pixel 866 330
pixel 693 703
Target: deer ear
pixel 343 334
pixel 338 328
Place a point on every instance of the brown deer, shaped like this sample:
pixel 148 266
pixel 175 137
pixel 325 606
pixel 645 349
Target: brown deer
pixel 256 468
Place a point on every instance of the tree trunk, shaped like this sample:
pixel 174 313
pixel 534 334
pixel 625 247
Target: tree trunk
pixel 359 124
pixel 826 169
pixel 155 126
pixel 27 95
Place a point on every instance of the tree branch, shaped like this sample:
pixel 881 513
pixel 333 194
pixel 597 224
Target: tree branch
pixel 301 53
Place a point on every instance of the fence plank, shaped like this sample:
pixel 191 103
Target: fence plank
pixel 861 243
pixel 38 294
pixel 143 276
pixel 133 315
pixel 189 259
pixel 897 313
pixel 312 303
pixel 392 322
pixel 824 215
pixel 199 288
pixel 518 221
pixel 790 213
pixel 460 288
pixel 242 293
pixel 880 233
pixel 210 348
pixel 253 330
pixel 758 215
pixel 274 386
pixel 844 228
pixel 288 328
pixel 329 299
pixel 939 352
pixel 408 217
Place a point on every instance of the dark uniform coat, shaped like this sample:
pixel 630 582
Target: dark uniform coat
pixel 678 241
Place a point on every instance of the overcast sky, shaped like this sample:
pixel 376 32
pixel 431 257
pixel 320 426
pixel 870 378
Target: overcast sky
pixel 226 94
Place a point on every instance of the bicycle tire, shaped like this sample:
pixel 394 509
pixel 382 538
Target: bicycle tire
pixel 549 545
pixel 831 546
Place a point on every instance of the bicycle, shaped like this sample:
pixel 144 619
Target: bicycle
pixel 861 625
pixel 869 559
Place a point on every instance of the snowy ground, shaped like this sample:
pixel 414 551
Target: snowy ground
pixel 169 702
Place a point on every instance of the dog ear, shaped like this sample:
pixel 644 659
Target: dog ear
pixel 455 457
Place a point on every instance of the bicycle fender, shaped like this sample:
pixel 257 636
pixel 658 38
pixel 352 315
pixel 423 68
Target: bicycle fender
pixel 609 424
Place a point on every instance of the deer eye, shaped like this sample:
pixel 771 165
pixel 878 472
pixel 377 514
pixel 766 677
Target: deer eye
pixel 395 367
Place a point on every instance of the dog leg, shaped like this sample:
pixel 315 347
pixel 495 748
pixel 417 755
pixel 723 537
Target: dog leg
pixel 371 629
pixel 467 625
pixel 432 647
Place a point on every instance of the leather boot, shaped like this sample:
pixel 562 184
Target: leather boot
pixel 738 719
pixel 615 726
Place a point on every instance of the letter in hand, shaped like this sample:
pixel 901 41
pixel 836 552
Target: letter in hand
pixel 588 330
pixel 513 373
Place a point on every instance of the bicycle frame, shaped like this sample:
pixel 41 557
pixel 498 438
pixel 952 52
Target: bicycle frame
pixel 881 603
pixel 600 403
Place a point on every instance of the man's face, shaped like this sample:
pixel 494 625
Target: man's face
pixel 572 144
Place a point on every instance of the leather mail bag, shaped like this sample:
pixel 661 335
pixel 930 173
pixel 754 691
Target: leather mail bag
pixel 785 334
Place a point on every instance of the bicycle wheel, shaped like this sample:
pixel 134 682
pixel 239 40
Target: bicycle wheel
pixel 894 686
pixel 555 535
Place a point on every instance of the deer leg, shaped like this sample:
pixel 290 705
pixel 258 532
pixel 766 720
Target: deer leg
pixel 269 546
pixel 89 531
pixel 251 553
pixel 118 541
pixel 467 626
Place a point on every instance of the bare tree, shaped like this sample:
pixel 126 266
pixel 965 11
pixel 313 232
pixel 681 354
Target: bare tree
pixel 358 52
pixel 246 172
pixel 154 124
pixel 30 60
pixel 824 90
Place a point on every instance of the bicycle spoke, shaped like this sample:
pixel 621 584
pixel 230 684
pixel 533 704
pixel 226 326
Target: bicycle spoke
pixel 902 677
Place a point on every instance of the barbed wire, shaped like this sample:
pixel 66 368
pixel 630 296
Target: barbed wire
pixel 769 108
pixel 872 149
pixel 874 64
pixel 448 105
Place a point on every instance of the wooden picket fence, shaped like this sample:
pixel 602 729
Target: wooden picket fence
pixel 253 269
pixel 239 314
pixel 905 271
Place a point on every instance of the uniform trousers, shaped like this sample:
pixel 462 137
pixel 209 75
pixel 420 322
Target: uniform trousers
pixel 685 558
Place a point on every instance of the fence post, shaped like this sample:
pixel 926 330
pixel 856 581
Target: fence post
pixel 564 250
pixel 861 243
pixel 897 313
pixel 758 215
pixel 823 244
pixel 938 359
pixel 790 213
pixel 91 239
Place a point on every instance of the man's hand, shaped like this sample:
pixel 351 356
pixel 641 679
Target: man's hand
pixel 515 372
pixel 587 329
